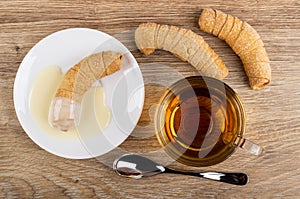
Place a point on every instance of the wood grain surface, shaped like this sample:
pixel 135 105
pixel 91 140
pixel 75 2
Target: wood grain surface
pixel 273 114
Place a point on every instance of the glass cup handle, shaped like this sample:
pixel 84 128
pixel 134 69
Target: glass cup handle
pixel 250 146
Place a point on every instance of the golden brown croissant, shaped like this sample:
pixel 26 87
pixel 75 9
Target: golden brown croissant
pixel 244 41
pixel 183 43
pixel 65 107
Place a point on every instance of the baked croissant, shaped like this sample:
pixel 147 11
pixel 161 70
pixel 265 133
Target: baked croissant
pixel 65 108
pixel 183 43
pixel 244 41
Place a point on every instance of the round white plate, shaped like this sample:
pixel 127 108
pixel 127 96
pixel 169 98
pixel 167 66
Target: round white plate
pixel 124 91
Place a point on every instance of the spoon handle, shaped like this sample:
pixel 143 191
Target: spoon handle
pixel 231 178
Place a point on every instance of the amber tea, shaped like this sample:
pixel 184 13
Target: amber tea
pixel 198 121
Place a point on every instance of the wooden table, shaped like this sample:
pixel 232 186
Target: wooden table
pixel 273 114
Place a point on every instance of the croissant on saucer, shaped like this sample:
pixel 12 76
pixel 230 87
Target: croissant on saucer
pixel 65 108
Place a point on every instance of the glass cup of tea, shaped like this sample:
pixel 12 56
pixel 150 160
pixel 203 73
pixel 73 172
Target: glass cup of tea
pixel 200 121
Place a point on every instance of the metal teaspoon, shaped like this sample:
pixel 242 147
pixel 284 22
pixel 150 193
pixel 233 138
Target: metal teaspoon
pixel 136 166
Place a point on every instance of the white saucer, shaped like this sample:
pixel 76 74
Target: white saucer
pixel 124 90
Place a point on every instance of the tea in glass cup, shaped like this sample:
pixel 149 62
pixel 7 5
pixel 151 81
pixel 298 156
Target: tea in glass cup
pixel 200 121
